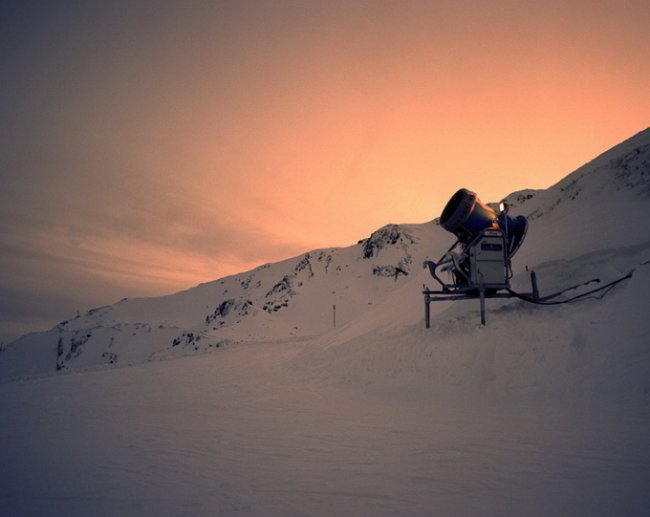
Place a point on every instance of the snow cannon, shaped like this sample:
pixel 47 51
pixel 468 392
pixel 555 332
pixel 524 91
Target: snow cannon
pixel 466 216
pixel 479 262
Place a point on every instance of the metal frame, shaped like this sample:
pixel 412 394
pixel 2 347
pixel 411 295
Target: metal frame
pixel 465 269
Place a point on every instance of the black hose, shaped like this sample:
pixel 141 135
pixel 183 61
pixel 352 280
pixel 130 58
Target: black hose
pixel 579 297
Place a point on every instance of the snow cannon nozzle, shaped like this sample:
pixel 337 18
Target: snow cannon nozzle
pixel 466 216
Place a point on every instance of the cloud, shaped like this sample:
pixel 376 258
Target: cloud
pixel 60 265
pixel 144 149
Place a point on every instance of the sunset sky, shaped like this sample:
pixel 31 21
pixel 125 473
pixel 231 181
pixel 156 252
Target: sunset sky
pixel 148 146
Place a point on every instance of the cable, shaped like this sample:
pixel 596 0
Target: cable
pixel 579 297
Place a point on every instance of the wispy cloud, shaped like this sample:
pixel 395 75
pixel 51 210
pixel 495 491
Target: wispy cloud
pixel 146 147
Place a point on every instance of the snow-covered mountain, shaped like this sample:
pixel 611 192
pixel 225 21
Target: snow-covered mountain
pixel 543 411
pixel 290 299
pixel 590 224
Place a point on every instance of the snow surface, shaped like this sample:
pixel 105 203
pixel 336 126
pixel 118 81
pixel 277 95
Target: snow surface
pixel 238 397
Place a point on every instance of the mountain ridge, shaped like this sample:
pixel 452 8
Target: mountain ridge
pixel 595 209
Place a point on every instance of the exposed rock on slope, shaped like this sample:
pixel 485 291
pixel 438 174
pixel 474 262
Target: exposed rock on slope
pixel 591 222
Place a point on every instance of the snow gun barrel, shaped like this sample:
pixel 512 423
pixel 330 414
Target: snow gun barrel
pixel 466 216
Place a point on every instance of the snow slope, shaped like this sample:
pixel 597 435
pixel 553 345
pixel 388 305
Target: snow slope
pixel 590 227
pixel 598 211
pixel 241 432
pixel 544 411
pixel 289 299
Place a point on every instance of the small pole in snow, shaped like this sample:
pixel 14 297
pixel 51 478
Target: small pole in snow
pixel 533 281
pixel 334 315
pixel 427 316
pixel 481 293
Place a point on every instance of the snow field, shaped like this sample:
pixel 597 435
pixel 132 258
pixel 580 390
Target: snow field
pixel 237 397
pixel 241 431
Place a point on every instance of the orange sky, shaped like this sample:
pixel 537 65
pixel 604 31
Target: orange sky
pixel 147 147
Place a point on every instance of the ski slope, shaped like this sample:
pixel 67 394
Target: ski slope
pixel 243 431
pixel 238 397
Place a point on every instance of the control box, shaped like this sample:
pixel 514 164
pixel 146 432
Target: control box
pixel 487 258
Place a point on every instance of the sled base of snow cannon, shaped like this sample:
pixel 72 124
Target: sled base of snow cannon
pixel 479 262
pixel 480 292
